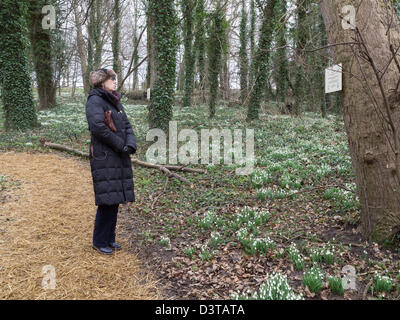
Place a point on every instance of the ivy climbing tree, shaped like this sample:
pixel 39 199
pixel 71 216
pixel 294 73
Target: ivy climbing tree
pixel 164 32
pixel 15 81
pixel 243 56
pixel 187 10
pixel 301 40
pixel 216 40
pixel 252 38
pixel 200 45
pixel 42 54
pixel 94 47
pixel 260 66
pixel 281 61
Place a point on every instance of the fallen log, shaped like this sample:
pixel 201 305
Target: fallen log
pixel 164 169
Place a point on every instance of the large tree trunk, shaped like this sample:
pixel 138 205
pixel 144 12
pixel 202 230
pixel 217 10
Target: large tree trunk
pixel 151 68
pixel 41 44
pixel 187 9
pixel 163 28
pixel 15 82
pixel 373 142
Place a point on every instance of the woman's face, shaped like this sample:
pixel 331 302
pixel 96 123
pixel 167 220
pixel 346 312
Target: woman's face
pixel 110 84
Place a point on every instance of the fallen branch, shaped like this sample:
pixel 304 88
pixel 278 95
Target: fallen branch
pixel 163 169
pixel 169 167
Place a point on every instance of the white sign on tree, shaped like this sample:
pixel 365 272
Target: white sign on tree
pixel 333 78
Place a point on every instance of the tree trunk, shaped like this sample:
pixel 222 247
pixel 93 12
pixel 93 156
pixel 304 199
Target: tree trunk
pixel 301 39
pixel 80 43
pixel 151 68
pixel 135 84
pixel 252 38
pixel 200 46
pixel 243 57
pixel 15 82
pixel 261 61
pixel 187 9
pixel 41 44
pixel 373 142
pixel 164 33
pixel 116 47
pixel 215 49
pixel 281 60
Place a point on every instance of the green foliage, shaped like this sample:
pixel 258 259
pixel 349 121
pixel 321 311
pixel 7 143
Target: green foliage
pixel 164 30
pixel 15 81
pixel 215 240
pixel 313 279
pixel 344 200
pixel 336 285
pixel 189 252
pixel 206 254
pixel 325 254
pixel 209 221
pixel 295 257
pixel 253 245
pixel 382 283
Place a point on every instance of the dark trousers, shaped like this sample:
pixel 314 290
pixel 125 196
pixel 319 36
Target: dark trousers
pixel 104 225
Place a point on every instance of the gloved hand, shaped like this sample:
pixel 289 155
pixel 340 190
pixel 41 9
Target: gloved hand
pixel 131 150
pixel 128 150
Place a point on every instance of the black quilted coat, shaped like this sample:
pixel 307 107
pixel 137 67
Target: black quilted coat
pixel 111 167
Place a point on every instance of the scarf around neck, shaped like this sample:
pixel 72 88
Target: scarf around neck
pixel 114 97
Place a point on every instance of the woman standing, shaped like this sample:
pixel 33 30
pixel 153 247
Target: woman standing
pixel 111 147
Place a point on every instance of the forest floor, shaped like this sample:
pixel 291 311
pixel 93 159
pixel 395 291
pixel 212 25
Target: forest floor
pixel 225 235
pixel 46 223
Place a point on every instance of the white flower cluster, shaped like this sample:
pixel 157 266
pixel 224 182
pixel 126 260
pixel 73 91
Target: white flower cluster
pixel 208 220
pixel 293 251
pixel 382 281
pixel 165 241
pixel 275 193
pixel 295 256
pixel 323 170
pixel 263 243
pixel 215 235
pixel 254 245
pixel 315 273
pixel 275 287
pixel 259 177
pixel 320 254
pixel 242 233
pixel 251 216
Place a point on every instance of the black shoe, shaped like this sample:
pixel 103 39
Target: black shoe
pixel 115 246
pixel 104 250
